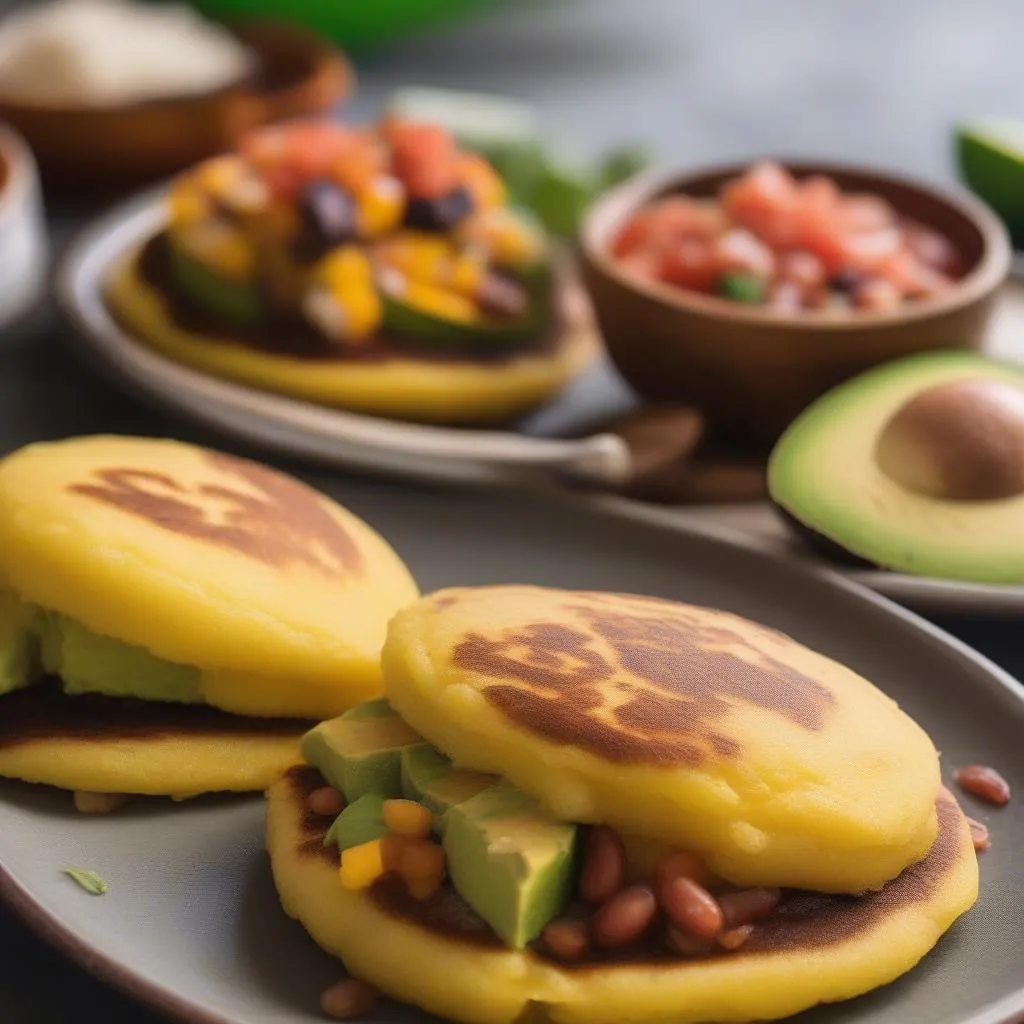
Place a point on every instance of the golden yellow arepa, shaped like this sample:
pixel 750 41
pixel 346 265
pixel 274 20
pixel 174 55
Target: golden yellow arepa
pixel 673 722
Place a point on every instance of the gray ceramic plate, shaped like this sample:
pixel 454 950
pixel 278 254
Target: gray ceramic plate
pixel 191 924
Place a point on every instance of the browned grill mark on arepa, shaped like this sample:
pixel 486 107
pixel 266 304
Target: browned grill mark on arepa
pixel 281 521
pixel 44 713
pixel 675 681
pixel 303 779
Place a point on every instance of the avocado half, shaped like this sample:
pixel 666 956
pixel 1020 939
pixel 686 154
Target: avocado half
pixel 173 618
pixel 916 466
pixel 425 384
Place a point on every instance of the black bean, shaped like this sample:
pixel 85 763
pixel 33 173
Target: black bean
pixel 328 218
pixel 441 214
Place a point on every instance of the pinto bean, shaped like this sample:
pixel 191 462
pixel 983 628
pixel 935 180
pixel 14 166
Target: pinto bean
pixel 624 918
pixel 347 999
pixel 325 802
pixel 691 907
pixel 566 939
pixel 604 866
pixel 985 783
pixel 748 905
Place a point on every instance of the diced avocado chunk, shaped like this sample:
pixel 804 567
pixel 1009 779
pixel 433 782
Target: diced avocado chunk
pixel 379 708
pixel 510 861
pixel 361 752
pixel 361 822
pixel 89 663
pixel 429 777
pixel 19 649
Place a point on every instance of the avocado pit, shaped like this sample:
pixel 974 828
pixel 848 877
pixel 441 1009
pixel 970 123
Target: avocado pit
pixel 959 441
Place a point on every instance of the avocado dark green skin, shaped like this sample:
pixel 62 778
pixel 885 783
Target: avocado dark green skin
pixel 414 325
pixel 822 545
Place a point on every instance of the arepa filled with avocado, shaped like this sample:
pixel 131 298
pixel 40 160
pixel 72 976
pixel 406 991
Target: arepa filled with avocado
pixel 174 618
pixel 594 808
pixel 381 269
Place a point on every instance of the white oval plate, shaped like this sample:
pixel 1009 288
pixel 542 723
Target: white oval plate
pixel 191 924
pixel 292 426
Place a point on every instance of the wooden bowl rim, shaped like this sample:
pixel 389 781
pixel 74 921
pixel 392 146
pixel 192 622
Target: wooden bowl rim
pixel 610 210
pixel 325 59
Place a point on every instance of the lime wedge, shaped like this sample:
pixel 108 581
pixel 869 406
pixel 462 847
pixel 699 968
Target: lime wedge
pixel 990 155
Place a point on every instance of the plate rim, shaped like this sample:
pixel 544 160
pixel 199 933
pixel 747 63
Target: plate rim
pixel 48 926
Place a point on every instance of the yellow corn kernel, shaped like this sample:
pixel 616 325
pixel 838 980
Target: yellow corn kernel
pixel 346 267
pixel 483 181
pixel 439 302
pixel 361 865
pixel 510 240
pixel 422 859
pixel 408 818
pixel 231 255
pixel 419 257
pixel 187 203
pixel 218 175
pixel 466 275
pixel 363 312
pixel 380 207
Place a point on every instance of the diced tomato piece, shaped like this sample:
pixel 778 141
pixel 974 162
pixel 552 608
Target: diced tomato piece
pixel 425 159
pixel 820 194
pixel 739 250
pixel 931 248
pixel 802 268
pixel 763 200
pixel 282 181
pixel 664 223
pixel 690 264
pixel 643 263
pixel 909 276
pixel 868 250
pixel 866 213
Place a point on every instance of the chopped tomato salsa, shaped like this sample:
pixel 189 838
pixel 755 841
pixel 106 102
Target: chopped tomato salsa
pixel 792 245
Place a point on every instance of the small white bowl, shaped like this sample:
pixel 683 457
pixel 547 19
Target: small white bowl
pixel 23 242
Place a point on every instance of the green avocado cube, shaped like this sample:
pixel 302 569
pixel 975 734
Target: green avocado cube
pixel 361 752
pixel 430 778
pixel 19 649
pixel 510 861
pixel 361 822
pixel 90 663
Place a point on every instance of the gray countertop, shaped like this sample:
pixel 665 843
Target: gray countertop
pixel 879 81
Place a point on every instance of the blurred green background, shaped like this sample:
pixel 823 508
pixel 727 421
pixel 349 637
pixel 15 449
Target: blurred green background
pixel 355 24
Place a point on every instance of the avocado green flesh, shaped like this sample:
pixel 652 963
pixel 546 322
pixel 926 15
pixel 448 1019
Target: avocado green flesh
pixel 430 778
pixel 362 821
pixel 360 753
pixel 89 663
pixel 236 303
pixel 19 647
pixel 824 474
pixel 510 862
pixel 34 642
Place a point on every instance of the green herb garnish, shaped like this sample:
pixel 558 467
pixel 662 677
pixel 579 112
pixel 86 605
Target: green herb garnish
pixel 87 880
pixel 741 287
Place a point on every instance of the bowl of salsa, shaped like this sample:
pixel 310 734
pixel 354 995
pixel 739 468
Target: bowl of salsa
pixel 750 289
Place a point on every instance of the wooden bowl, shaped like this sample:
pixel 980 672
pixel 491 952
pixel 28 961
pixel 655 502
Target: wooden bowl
pixel 750 370
pixel 113 148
